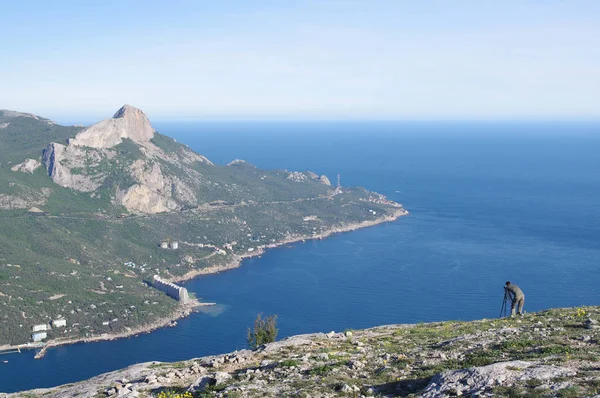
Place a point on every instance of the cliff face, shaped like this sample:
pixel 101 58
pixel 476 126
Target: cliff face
pixel 71 166
pixel 552 353
pixel 149 179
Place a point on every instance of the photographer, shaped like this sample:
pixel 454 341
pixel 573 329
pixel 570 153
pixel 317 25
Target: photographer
pixel 516 296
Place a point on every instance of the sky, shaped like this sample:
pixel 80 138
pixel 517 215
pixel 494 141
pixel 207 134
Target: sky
pixel 287 59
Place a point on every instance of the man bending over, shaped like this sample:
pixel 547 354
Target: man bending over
pixel 516 296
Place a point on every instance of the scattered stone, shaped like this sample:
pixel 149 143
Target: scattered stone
pixel 591 324
pixel 355 364
pixel 213 379
pixel 323 357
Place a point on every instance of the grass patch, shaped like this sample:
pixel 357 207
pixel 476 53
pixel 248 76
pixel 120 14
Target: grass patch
pixel 320 370
pixel 289 363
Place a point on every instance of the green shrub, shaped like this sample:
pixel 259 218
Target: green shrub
pixel 264 331
pixel 289 363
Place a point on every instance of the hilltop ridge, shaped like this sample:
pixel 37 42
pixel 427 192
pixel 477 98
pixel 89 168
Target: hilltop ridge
pixel 553 353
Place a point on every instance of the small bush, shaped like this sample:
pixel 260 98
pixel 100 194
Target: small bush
pixel 289 363
pixel 320 370
pixel 265 331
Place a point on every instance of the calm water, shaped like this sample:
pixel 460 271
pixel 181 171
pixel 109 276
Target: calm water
pixel 488 202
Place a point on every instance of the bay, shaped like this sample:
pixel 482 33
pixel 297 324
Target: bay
pixel 488 202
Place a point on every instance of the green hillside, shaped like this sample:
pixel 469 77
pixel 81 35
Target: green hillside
pixel 63 252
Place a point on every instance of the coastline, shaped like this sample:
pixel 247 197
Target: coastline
pixel 260 250
pixel 183 311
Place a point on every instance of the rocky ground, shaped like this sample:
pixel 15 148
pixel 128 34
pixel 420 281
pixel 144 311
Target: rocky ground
pixel 546 354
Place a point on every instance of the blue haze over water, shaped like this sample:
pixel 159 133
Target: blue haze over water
pixel 489 202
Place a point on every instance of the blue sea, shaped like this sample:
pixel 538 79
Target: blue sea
pixel 488 201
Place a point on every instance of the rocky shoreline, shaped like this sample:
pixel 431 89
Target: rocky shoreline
pixel 546 354
pixel 185 310
pixel 237 262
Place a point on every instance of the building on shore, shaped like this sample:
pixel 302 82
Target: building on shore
pixel 172 290
pixel 39 328
pixel 169 244
pixel 38 336
pixel 59 323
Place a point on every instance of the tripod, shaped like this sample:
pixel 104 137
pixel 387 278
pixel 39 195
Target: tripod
pixel 504 308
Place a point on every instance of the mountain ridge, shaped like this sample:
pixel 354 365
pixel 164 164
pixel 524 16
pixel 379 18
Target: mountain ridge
pixel 83 225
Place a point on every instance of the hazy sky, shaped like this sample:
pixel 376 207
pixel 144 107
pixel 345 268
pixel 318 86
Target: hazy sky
pixel 366 59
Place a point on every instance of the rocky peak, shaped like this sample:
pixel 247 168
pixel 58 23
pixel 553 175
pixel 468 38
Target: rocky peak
pixel 128 122
pixel 128 111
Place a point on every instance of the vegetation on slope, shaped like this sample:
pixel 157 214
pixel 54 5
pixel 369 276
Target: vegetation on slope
pixel 73 256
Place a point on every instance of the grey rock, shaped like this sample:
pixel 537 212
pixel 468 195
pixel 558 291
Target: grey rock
pixel 28 166
pixel 591 324
pixel 479 379
pixel 324 180
pixel 355 364
pixel 313 176
pixel 128 122
pixel 297 176
pixel 323 357
pixel 240 162
pixel 213 379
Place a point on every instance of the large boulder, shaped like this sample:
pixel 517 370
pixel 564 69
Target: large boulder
pixel 213 379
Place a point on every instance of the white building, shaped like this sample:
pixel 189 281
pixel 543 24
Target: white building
pixel 38 336
pixel 39 328
pixel 174 245
pixel 59 323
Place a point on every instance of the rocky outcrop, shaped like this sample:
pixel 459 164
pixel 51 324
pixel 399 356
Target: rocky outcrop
pixel 128 122
pixel 24 198
pixel 297 176
pixel 465 382
pixel 313 176
pixel 87 160
pixel 154 192
pixel 70 166
pixel 4 125
pixel 240 162
pixel 28 166
pixel 141 199
pixel 324 180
